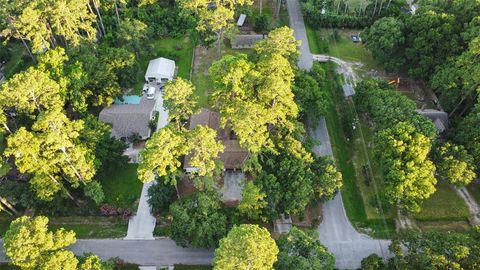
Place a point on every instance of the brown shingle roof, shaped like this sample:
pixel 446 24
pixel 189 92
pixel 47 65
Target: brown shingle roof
pixel 233 155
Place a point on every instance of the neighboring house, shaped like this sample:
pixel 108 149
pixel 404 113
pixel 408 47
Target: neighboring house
pixel 439 118
pixel 233 155
pixel 160 71
pixel 129 117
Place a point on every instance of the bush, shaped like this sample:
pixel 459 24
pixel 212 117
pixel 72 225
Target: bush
pixel 160 196
pixel 263 23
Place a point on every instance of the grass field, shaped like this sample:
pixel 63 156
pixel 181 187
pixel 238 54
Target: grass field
pixel 122 187
pixel 443 205
pixel 180 49
pixel 84 227
pixel 321 41
pixel 355 205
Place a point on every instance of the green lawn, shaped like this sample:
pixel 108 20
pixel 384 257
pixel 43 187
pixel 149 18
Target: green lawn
pixel 342 48
pixel 84 227
pixel 180 49
pixel 360 213
pixel 443 205
pixel 122 187
pixel 203 84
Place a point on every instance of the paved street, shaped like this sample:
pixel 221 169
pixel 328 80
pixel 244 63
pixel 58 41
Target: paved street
pixel 335 232
pixel 143 252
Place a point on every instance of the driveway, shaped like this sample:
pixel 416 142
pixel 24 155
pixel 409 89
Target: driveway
pixel 335 232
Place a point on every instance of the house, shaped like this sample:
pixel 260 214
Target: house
pixel 160 71
pixel 129 117
pixel 233 155
pixel 439 118
pixel 245 41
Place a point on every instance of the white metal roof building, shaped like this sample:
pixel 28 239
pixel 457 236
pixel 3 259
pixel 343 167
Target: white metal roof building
pixel 160 70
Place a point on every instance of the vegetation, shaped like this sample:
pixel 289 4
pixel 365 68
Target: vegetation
pixel 246 247
pixel 302 250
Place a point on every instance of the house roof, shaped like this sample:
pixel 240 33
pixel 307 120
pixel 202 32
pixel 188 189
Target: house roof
pixel 161 67
pixel 439 118
pixel 128 119
pixel 245 41
pixel 233 155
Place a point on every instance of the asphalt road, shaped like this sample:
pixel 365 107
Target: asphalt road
pixel 335 232
pixel 143 252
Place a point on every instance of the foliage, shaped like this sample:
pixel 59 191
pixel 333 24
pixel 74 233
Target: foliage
pixel 454 164
pixel 301 250
pixel 311 96
pixel 94 191
pixel 291 183
pixel 409 174
pixel 385 39
pixel 51 153
pixel 372 262
pixel 198 220
pixel 179 100
pixel 436 250
pixel 204 148
pixel 263 23
pixel 160 196
pixel 30 245
pixel 45 24
pixel 468 134
pixel 246 247
pixel 252 203
pixel 386 107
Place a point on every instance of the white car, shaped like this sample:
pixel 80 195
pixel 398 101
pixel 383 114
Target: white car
pixel 145 87
pixel 151 92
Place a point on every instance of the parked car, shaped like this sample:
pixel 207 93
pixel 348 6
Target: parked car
pixel 151 92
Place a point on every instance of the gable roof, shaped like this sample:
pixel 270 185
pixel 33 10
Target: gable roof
pixel 233 155
pixel 128 119
pixel 162 67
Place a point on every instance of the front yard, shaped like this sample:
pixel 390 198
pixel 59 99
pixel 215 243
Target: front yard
pixel 122 187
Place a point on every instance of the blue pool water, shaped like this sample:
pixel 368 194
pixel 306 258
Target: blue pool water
pixel 128 100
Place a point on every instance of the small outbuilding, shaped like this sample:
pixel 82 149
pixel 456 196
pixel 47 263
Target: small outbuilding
pixel 439 118
pixel 241 20
pixel 160 71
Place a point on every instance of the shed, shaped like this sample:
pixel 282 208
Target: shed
pixel 241 19
pixel 245 41
pixel 439 118
pixel 160 70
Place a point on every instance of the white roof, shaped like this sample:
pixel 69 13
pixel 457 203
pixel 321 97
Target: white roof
pixel 241 19
pixel 161 68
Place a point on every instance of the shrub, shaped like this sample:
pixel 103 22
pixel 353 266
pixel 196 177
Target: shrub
pixel 160 196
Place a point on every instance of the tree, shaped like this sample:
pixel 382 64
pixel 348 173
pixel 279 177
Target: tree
pixel 30 245
pixel 31 91
pixel 301 250
pixel 385 39
pixel 51 152
pixel 327 180
pixel 252 203
pixel 160 196
pixel 179 100
pixel 409 174
pixel 373 262
pixel 437 250
pixel 454 164
pixel 214 17
pixel 426 48
pixel 469 135
pixel 161 155
pixel 132 34
pixel 94 191
pixel 198 220
pixel 205 149
pixel 280 41
pixel 246 247
pixel 313 101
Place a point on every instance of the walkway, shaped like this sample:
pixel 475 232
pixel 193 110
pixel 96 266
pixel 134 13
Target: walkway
pixel 335 232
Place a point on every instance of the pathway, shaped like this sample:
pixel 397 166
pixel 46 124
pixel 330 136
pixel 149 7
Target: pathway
pixel 335 232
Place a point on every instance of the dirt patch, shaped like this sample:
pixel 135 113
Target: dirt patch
pixel 312 218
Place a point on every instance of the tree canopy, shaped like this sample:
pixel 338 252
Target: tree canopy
pixel 246 247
